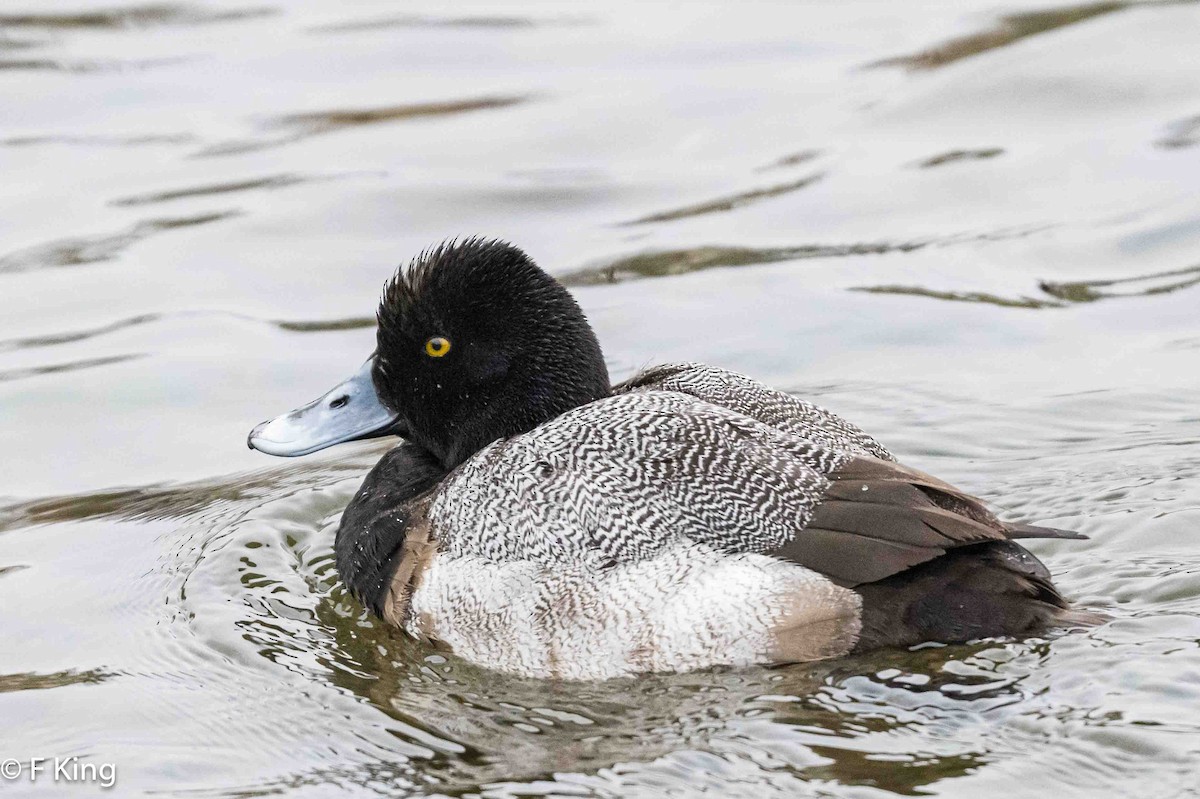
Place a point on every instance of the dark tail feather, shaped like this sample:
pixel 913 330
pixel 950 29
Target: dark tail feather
pixel 1080 617
pixel 1015 530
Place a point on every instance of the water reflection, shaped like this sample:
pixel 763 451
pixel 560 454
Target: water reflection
pixel 74 336
pixel 678 262
pixel 295 127
pixel 669 263
pixel 268 183
pixel 124 18
pixel 418 21
pixel 96 249
pixel 53 339
pixel 793 159
pixel 825 720
pixel 149 503
pixel 8 43
pixel 1184 133
pixel 1140 286
pixel 1008 30
pixel 495 729
pixel 321 326
pixel 71 366
pixel 961 155
pixel 136 140
pixel 1064 293
pixel 862 721
pixel 40 682
pixel 961 296
pixel 86 67
pixel 728 203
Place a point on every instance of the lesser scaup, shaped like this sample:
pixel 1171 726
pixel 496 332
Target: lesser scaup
pixel 540 521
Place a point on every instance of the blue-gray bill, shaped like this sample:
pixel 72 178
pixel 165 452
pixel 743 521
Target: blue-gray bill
pixel 350 411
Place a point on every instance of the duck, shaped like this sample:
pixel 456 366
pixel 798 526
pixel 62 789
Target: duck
pixel 537 520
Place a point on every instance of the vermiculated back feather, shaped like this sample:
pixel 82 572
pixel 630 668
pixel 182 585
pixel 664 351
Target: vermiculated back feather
pixel 619 479
pixel 776 409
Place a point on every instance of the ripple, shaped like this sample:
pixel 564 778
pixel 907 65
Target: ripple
pixel 96 249
pixel 961 296
pixel 1142 285
pixel 73 366
pixel 297 127
pixel 1064 294
pixel 7 43
pixel 323 325
pixel 149 503
pixel 88 66
pixel 667 263
pixel 143 16
pixel 1008 30
pixel 790 160
pixel 133 140
pixel 954 156
pixel 418 21
pixel 290 325
pixel 313 123
pixel 39 682
pixel 54 339
pixel 270 182
pixel 727 203
pixel 1184 133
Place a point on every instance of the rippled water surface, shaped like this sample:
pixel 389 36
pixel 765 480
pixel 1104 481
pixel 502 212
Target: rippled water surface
pixel 972 228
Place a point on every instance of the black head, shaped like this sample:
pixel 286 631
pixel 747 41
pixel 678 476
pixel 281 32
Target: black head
pixel 477 343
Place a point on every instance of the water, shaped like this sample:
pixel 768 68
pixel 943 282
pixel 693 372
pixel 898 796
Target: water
pixel 972 229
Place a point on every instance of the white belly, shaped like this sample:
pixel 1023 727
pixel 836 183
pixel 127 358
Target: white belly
pixel 689 607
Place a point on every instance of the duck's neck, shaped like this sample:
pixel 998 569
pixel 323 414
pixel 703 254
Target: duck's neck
pixel 377 521
pixel 520 405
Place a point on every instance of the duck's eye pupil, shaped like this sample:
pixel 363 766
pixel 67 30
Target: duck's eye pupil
pixel 338 402
pixel 437 346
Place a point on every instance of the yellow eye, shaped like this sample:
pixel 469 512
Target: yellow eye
pixel 437 346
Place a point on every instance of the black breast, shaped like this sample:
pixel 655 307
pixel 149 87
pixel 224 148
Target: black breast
pixel 377 520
